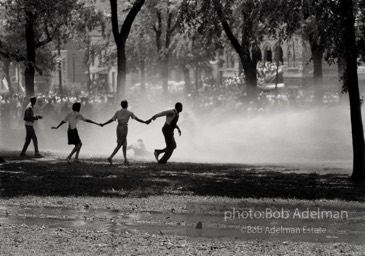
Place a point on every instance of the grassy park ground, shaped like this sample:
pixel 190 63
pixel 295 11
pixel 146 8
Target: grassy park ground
pixel 49 207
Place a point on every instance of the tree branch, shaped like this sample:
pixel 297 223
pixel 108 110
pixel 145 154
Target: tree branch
pixel 226 27
pixel 114 19
pixel 127 24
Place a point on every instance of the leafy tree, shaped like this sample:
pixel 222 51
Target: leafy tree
pixel 13 50
pixel 121 36
pixel 245 23
pixel 9 52
pixel 43 21
pixel 191 51
pixel 320 26
pixel 88 20
pixel 141 52
pixel 165 17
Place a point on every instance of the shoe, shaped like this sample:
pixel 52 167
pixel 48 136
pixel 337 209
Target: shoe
pixel 126 162
pixel 68 160
pixel 23 155
pixel 77 160
pixel 156 155
pixel 109 160
pixel 38 155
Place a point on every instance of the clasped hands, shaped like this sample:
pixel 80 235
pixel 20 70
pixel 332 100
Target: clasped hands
pixel 150 120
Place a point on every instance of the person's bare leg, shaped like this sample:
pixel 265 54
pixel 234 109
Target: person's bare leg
pixel 71 154
pixel 78 151
pixel 125 154
pixel 113 154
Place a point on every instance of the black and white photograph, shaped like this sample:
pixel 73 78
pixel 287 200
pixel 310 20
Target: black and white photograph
pixel 182 127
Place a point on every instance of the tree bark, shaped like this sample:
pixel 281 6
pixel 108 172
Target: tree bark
pixel 243 50
pixel 317 56
pixel 351 80
pixel 122 71
pixel 120 38
pixel 29 72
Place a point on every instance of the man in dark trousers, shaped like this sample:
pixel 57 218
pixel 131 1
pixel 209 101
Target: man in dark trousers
pixel 29 118
pixel 172 116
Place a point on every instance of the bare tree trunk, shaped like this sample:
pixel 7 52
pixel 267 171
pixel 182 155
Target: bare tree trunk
pixel 243 50
pixel 60 89
pixel 120 38
pixel 317 56
pixel 351 81
pixel 29 72
pixel 122 72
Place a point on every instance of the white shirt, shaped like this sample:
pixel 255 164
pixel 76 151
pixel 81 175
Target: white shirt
pixel 73 118
pixel 123 116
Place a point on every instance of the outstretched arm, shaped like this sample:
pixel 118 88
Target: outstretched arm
pixel 107 122
pixel 140 120
pixel 91 122
pixel 163 113
pixel 61 123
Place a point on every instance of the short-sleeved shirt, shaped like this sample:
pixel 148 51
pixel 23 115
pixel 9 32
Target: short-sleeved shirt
pixel 123 116
pixel 73 118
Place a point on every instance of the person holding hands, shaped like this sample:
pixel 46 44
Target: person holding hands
pixel 122 116
pixel 73 118
pixel 172 117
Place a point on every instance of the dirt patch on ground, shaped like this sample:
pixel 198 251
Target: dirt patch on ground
pixel 51 186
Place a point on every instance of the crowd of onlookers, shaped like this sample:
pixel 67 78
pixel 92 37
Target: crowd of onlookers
pixel 230 97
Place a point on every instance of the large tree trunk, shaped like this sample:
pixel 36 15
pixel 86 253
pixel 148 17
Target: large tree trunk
pixel 120 38
pixel 249 69
pixel 341 67
pixel 317 56
pixel 122 72
pixel 29 72
pixel 351 81
pixel 243 49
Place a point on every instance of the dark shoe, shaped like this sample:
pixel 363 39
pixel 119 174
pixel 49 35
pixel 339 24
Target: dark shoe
pixel 109 160
pixel 38 155
pixel 156 155
pixel 23 155
pixel 68 160
pixel 126 162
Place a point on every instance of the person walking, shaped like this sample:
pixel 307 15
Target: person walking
pixel 122 116
pixel 29 118
pixel 172 117
pixel 73 118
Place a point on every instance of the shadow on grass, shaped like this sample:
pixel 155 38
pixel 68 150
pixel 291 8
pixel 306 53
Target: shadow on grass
pixel 54 178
